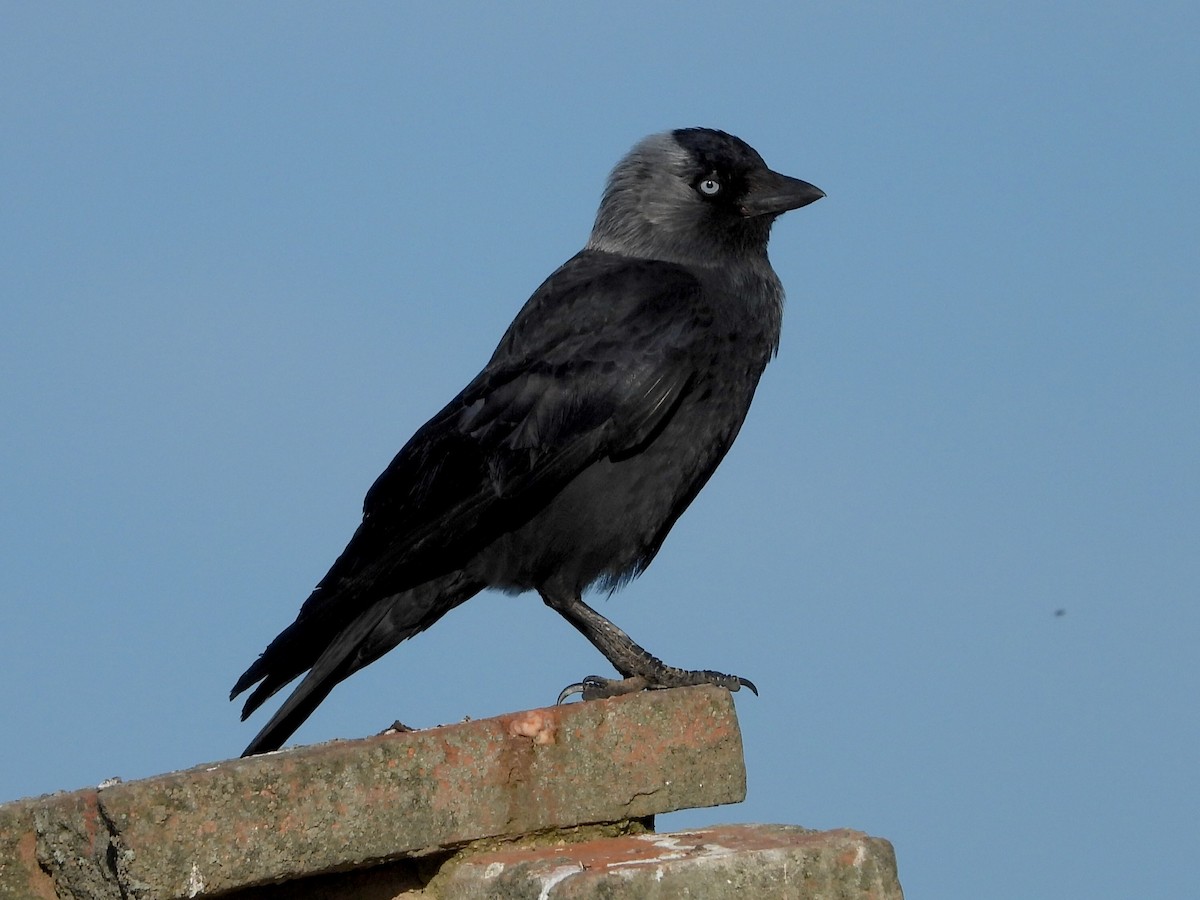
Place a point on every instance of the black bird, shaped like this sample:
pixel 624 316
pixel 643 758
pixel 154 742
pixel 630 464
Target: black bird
pixel 609 402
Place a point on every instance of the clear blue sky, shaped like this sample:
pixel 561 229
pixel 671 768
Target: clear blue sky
pixel 248 249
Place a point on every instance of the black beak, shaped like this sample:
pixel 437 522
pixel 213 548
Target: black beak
pixel 771 194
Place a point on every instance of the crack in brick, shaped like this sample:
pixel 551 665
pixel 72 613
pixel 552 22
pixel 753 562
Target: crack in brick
pixel 638 795
pixel 116 850
pixel 73 845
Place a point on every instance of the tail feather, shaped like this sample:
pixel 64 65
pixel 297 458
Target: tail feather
pixel 332 667
pixel 289 655
pixel 306 645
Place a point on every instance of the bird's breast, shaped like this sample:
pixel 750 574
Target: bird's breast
pixel 609 521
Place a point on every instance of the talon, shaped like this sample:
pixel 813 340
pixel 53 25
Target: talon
pixel 595 687
pixel 731 683
pixel 570 691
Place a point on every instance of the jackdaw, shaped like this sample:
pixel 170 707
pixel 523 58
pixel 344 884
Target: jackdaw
pixel 609 402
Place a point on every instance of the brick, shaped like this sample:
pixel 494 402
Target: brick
pixel 352 804
pixel 549 803
pixel 21 877
pixel 729 861
pixel 76 847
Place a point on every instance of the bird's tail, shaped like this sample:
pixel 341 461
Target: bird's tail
pixel 370 635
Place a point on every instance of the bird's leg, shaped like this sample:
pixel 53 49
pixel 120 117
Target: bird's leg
pixel 640 670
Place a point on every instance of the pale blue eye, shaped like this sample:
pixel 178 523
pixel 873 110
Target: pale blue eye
pixel 710 187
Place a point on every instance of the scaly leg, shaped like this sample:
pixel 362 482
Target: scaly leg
pixel 640 670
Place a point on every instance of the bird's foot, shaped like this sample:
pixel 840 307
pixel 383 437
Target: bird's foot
pixel 642 670
pixel 594 687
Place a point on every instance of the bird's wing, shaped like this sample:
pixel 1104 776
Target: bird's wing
pixel 593 365
pixel 598 358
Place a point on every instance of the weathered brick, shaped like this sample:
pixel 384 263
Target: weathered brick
pixel 729 861
pixel 350 804
pixel 21 877
pixel 76 846
pixel 510 807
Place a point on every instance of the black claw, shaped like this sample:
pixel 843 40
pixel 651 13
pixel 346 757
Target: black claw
pixel 569 691
pixel 593 687
pixel 731 683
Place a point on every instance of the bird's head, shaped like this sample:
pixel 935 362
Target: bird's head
pixel 694 195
